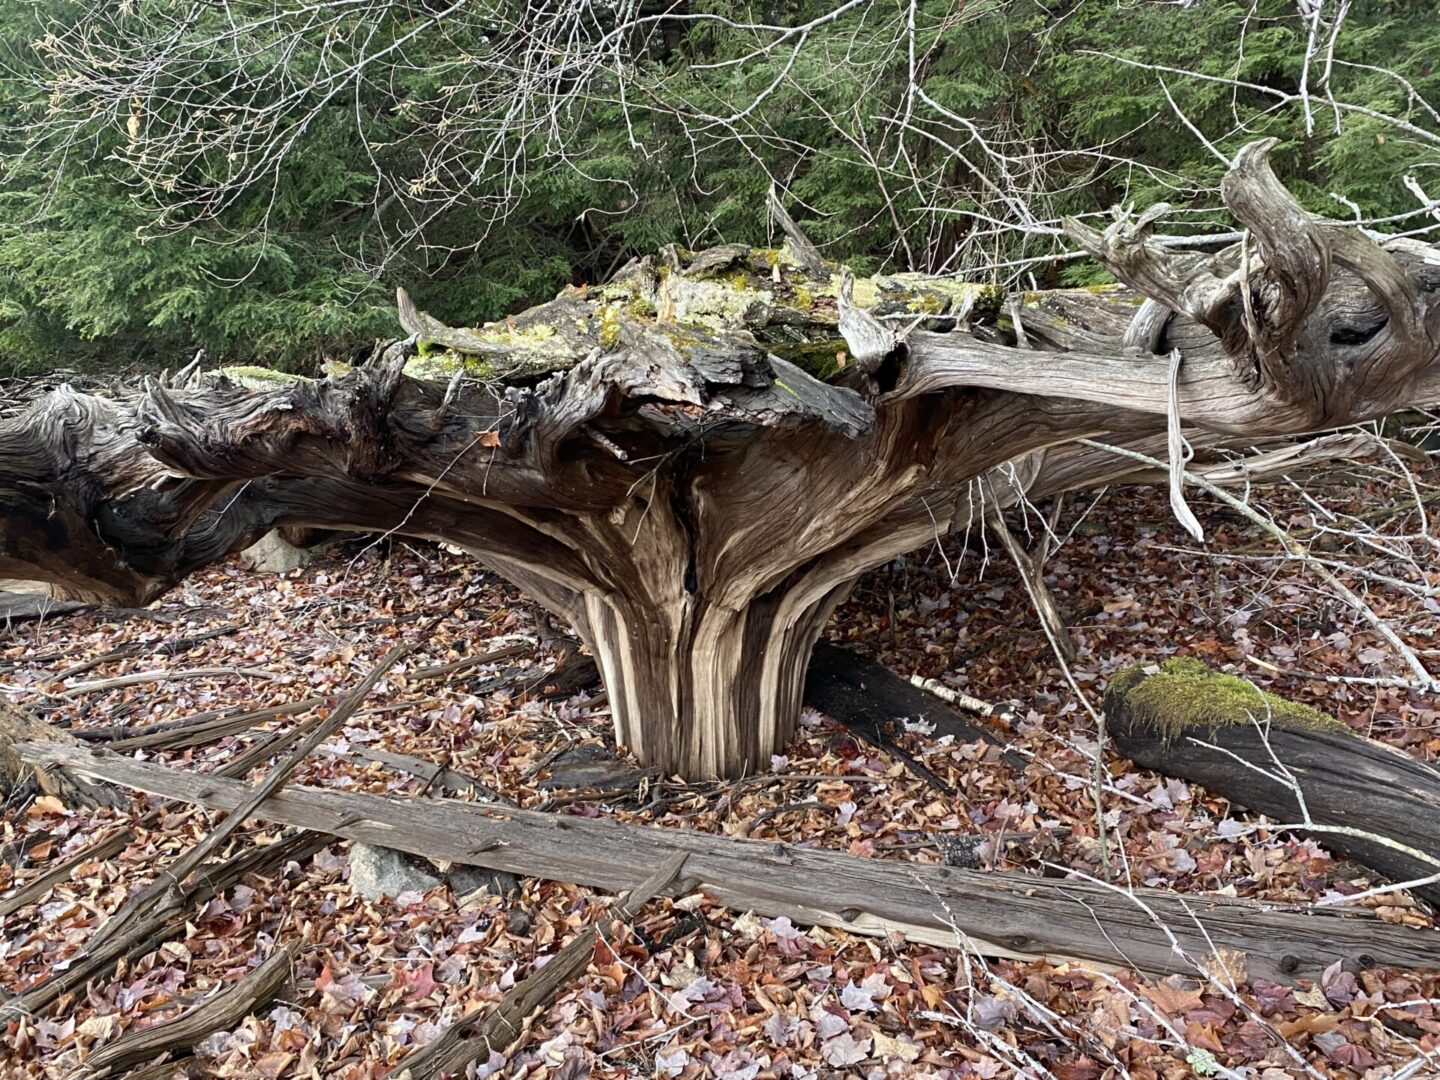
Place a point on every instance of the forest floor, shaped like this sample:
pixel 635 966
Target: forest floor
pixel 708 992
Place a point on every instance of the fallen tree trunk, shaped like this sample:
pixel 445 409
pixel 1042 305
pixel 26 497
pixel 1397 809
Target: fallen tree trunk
pixel 998 914
pixel 660 463
pixel 1360 798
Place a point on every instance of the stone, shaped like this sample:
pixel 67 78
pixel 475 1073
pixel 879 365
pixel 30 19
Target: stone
pixel 466 881
pixel 273 554
pixel 591 766
pixel 381 871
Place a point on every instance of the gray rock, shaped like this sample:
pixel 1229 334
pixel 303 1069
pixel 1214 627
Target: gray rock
pixel 381 871
pixel 465 880
pixel 273 554
pixel 590 765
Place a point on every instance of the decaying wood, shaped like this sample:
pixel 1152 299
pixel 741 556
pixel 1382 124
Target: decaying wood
pixel 172 880
pixel 473 1038
pixel 107 846
pixel 19 607
pixel 19 781
pixel 1255 750
pixel 872 701
pixel 677 464
pixel 163 924
pixel 999 914
pixel 171 647
pixel 162 675
pixel 220 1013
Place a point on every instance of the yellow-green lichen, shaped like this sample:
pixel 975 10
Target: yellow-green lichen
pixel 259 378
pixel 1186 695
pixel 441 363
pixel 610 325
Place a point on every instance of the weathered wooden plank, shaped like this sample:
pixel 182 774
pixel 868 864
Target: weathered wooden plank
pixel 999 914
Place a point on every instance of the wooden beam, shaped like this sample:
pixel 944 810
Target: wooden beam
pixel 998 914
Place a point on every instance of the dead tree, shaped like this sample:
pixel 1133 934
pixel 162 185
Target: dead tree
pixel 693 463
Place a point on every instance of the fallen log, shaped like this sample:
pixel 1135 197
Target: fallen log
pixel 1268 754
pixel 998 914
pixel 869 699
pixel 18 607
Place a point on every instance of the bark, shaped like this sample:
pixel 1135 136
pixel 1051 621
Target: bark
pixel 995 914
pixel 1367 801
pixel 692 463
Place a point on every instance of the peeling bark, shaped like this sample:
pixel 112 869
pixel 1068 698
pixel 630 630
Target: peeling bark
pixel 692 463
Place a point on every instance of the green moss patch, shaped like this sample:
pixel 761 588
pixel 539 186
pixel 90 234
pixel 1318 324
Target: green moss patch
pixel 1185 694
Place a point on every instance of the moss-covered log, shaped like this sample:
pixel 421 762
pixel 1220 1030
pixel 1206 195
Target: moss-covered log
pixel 691 464
pixel 1267 754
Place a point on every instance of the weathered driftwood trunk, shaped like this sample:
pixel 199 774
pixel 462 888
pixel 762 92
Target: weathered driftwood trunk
pixel 1364 800
pixel 692 463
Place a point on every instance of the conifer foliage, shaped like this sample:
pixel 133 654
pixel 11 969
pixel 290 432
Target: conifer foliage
pixel 254 178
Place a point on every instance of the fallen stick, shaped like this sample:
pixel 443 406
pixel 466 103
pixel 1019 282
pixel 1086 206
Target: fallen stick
pixel 468 1040
pixel 435 776
pixel 149 931
pixel 160 676
pixel 960 699
pixel 172 647
pixel 192 731
pixel 107 846
pixel 1001 914
pixel 173 877
pixel 220 1013
pixel 441 671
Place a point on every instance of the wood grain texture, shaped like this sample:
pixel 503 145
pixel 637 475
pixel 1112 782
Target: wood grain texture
pixel 678 464
pixel 999 914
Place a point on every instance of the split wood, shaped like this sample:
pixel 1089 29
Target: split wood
pixel 468 1041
